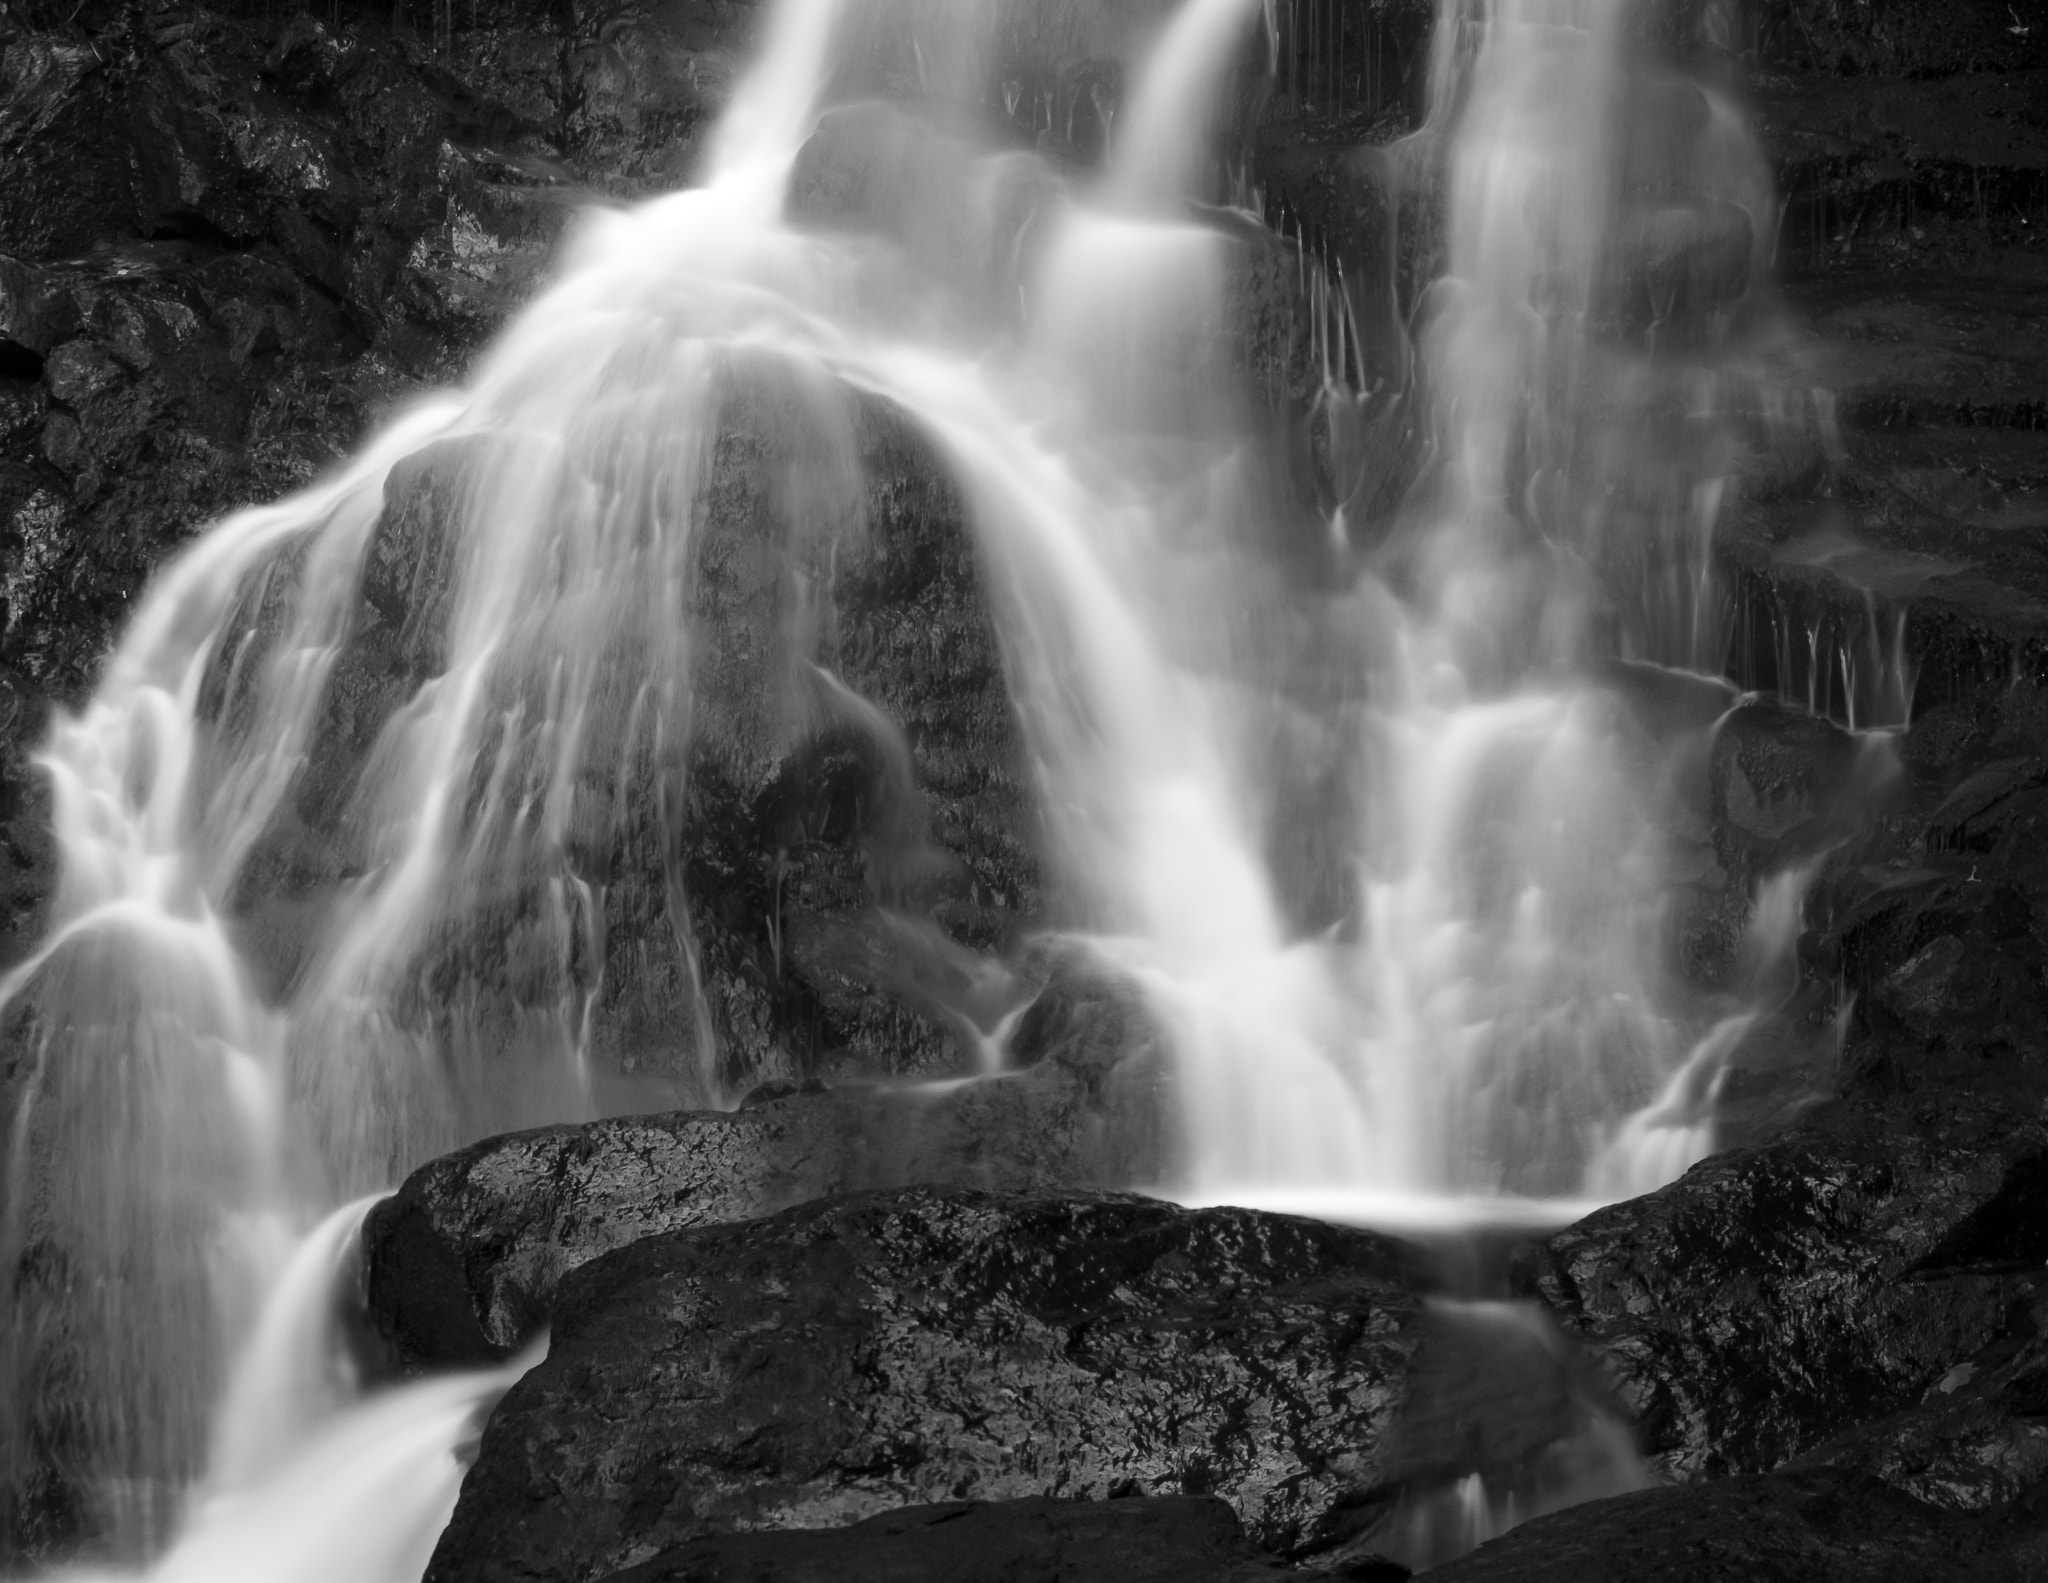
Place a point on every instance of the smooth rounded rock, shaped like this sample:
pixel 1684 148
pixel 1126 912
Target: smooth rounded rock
pixel 882 1350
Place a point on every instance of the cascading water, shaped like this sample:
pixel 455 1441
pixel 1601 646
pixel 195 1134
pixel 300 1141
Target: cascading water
pixel 339 823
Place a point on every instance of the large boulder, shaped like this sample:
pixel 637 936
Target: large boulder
pixel 1976 1441
pixel 1771 1299
pixel 1167 1539
pixel 882 1350
pixel 464 1263
pixel 810 870
pixel 860 823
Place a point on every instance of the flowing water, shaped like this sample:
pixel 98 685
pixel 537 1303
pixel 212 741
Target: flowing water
pixel 1385 842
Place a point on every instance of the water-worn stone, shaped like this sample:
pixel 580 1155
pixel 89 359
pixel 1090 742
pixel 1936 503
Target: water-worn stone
pixel 1814 1527
pixel 1166 1539
pixel 1779 779
pixel 1976 1441
pixel 860 819
pixel 1936 919
pixel 883 1350
pixel 850 819
pixel 1771 1298
pixel 463 1263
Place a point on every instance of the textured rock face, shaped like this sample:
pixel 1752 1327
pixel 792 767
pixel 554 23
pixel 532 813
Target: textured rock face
pixel 1941 926
pixel 859 821
pixel 1165 1539
pixel 1976 1441
pixel 465 1262
pixel 850 826
pixel 1770 1299
pixel 883 1350
pixel 229 241
pixel 1815 1527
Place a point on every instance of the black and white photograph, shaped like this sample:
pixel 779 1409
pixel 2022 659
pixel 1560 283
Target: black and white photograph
pixel 1024 791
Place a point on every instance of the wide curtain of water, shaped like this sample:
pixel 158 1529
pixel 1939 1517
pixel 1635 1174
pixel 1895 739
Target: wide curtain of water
pixel 1358 790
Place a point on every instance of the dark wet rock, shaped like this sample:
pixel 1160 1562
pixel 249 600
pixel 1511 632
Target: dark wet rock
pixel 1164 1539
pixel 1977 1441
pixel 1902 169
pixel 1685 269
pixel 1816 1527
pixel 28 857
pixel 1784 784
pixel 1366 226
pixel 1880 550
pixel 1931 918
pixel 464 1262
pixel 638 86
pixel 233 239
pixel 1785 790
pixel 860 822
pixel 1765 793
pixel 824 883
pixel 1899 353
pixel 1902 38
pixel 1770 1299
pixel 1357 74
pixel 882 1350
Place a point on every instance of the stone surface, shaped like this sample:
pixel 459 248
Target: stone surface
pixel 1808 1527
pixel 1976 1441
pixel 850 836
pixel 860 819
pixel 1770 1299
pixel 882 1350
pixel 232 238
pixel 464 1262
pixel 1164 1539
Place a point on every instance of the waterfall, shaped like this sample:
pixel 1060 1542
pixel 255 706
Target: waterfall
pixel 1386 856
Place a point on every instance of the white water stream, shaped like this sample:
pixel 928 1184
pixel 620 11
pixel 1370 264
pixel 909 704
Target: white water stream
pixel 1488 1023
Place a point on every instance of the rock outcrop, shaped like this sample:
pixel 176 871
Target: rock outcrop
pixel 464 1263
pixel 882 1350
pixel 1771 1299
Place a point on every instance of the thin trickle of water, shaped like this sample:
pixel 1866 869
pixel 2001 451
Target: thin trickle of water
pixel 1504 1422
pixel 1165 145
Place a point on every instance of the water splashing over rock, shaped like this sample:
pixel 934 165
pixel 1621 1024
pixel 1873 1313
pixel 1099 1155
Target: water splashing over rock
pixel 388 826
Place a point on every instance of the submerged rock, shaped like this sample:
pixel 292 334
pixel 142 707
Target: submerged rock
pixel 882 1350
pixel 1165 1539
